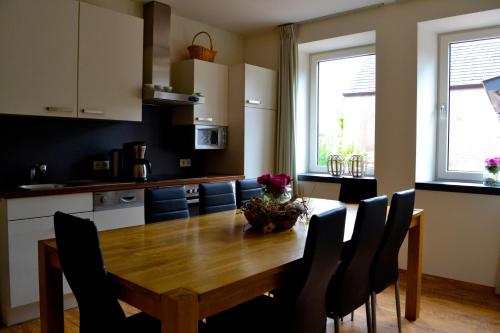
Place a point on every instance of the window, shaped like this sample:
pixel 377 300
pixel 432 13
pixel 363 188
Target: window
pixel 342 106
pixel 469 128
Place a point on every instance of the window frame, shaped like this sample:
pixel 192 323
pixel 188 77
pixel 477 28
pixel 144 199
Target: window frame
pixel 314 61
pixel 443 94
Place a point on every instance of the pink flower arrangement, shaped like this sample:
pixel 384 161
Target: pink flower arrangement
pixel 492 164
pixel 274 185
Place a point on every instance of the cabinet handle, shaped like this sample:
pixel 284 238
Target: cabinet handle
pixel 58 109
pixel 89 111
pixel 205 119
pixel 128 199
pixel 253 101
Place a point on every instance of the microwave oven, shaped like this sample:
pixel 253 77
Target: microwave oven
pixel 210 137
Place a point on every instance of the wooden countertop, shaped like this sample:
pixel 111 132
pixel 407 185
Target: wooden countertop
pixel 11 193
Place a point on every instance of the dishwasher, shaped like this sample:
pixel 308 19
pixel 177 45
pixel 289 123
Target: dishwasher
pixel 118 209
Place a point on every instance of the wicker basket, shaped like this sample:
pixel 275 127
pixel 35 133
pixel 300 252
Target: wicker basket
pixel 200 52
pixel 264 223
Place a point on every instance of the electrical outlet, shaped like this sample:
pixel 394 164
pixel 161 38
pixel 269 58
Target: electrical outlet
pixel 185 162
pixel 100 165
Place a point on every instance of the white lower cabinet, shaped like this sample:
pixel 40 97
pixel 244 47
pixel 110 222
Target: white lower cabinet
pixel 119 218
pixel 23 257
pixel 25 221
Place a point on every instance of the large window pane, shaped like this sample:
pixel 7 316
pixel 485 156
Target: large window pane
pixel 473 126
pixel 346 108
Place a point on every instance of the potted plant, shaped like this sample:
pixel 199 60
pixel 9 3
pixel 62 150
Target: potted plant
pixel 491 168
pixel 276 209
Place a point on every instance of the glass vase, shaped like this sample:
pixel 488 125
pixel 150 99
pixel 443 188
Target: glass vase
pixel 490 176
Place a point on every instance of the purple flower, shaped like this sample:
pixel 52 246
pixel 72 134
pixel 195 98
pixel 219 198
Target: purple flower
pixel 275 186
pixel 265 179
pixel 285 178
pixel 492 161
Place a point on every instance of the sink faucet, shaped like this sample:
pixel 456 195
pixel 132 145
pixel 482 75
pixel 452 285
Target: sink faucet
pixel 36 171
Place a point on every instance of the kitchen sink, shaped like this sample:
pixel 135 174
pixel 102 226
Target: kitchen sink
pixel 41 186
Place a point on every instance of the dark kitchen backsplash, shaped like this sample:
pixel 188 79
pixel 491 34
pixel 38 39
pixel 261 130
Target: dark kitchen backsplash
pixel 68 146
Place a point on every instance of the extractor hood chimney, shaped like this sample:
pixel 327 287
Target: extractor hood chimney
pixel 156 62
pixel 492 87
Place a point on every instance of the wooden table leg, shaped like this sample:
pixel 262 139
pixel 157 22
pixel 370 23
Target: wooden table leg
pixel 414 269
pixel 51 294
pixel 179 313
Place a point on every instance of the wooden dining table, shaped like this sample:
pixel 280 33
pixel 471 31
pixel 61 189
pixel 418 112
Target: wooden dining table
pixel 182 271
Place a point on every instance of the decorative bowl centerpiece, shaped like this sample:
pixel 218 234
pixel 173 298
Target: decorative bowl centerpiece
pixel 276 209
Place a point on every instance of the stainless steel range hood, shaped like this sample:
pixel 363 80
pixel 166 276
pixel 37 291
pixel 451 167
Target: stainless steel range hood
pixel 156 62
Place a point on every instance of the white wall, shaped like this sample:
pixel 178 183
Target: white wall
pixel 462 231
pixel 229 45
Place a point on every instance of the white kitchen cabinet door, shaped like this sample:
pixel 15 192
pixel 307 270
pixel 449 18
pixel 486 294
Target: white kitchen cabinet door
pixel 25 208
pixel 38 57
pixel 212 80
pixel 109 65
pixel 119 218
pixel 260 87
pixel 259 141
pixel 23 257
pixel 208 78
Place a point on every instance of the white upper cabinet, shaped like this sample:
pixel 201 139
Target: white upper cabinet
pixel 110 65
pixel 210 79
pixel 38 57
pixel 52 66
pixel 260 87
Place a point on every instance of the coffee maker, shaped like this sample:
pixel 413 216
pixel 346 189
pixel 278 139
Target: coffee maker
pixel 135 166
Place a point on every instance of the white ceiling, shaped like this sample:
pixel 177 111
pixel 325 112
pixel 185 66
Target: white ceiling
pixel 244 16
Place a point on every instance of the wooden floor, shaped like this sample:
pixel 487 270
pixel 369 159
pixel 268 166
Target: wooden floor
pixel 447 306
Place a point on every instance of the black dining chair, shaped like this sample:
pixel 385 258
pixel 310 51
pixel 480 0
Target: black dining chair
pixel 247 189
pixel 353 190
pixel 166 203
pixel 384 270
pixel 300 307
pixel 82 263
pixel 350 285
pixel 216 197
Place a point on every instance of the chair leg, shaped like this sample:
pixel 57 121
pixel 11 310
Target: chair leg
pixel 374 312
pixel 398 306
pixel 368 317
pixel 336 324
pixel 352 316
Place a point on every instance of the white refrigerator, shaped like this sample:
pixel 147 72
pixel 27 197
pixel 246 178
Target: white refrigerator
pixel 251 135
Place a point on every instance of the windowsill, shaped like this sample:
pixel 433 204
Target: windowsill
pixel 326 178
pixel 436 185
pixel 458 187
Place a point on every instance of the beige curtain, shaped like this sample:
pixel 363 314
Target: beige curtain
pixel 287 94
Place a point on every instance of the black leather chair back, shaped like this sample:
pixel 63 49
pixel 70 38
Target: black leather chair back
pixel 321 253
pixel 82 264
pixel 353 190
pixel 165 203
pixel 247 189
pixel 350 286
pixel 216 197
pixel 385 265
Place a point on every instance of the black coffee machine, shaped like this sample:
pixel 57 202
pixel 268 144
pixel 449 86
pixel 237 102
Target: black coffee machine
pixel 135 166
